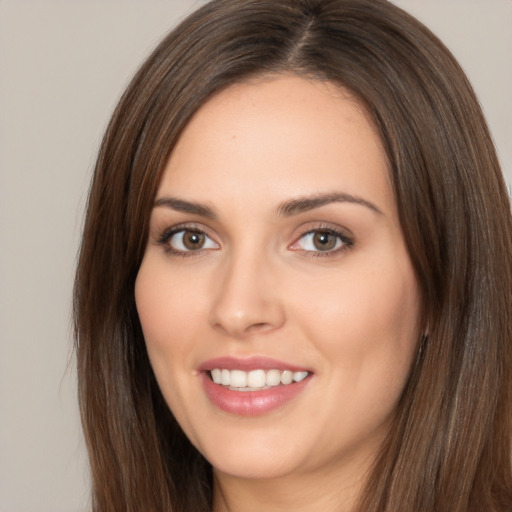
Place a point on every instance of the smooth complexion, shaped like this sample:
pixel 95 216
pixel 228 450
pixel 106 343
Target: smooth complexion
pixel 275 235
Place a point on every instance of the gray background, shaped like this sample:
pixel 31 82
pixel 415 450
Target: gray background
pixel 63 65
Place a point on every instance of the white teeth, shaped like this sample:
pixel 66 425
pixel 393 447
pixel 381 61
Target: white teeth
pixel 286 377
pixel 225 377
pixel 238 379
pixel 273 378
pixel 298 376
pixel 255 379
pixel 217 376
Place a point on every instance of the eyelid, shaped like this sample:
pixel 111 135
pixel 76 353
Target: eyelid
pixel 164 236
pixel 343 234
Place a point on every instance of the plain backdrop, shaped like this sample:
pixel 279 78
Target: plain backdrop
pixel 63 65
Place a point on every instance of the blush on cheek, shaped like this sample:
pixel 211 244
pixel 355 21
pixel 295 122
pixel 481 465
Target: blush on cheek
pixel 151 310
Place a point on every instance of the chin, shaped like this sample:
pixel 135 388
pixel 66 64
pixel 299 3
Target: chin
pixel 254 468
pixel 256 458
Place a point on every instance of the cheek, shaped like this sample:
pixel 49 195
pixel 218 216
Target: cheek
pixel 366 322
pixel 170 315
pixel 165 303
pixel 358 305
pixel 167 318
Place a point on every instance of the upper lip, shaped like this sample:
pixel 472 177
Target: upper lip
pixel 249 363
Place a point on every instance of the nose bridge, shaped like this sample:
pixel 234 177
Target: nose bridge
pixel 246 300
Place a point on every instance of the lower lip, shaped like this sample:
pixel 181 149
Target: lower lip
pixel 251 403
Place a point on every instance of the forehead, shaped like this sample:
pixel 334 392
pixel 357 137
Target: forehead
pixel 276 137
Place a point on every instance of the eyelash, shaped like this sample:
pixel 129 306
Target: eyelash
pixel 167 234
pixel 347 242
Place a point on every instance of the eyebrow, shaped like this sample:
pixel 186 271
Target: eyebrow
pixel 286 209
pixel 304 204
pixel 181 205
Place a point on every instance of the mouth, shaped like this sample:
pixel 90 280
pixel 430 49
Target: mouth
pixel 255 380
pixel 253 386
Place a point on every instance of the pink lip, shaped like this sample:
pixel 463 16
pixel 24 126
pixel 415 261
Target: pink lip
pixel 249 363
pixel 249 403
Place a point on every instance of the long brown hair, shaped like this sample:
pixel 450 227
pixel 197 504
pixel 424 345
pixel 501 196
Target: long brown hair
pixel 449 448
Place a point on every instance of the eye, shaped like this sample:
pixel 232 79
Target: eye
pixel 322 241
pixel 188 240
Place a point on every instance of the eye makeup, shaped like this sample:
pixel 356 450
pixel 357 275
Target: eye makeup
pixel 187 239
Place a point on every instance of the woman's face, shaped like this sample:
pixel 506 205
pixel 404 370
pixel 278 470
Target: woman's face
pixel 277 268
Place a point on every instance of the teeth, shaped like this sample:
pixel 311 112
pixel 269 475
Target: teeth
pixel 255 379
pixel 239 379
pixel 273 378
pixel 298 376
pixel 225 377
pixel 286 377
pixel 216 376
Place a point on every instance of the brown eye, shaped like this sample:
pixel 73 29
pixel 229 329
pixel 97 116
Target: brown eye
pixel 193 240
pixel 187 240
pixel 324 240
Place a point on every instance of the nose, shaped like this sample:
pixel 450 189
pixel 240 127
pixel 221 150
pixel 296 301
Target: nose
pixel 247 299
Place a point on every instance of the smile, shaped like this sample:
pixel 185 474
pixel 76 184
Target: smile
pixel 255 380
pixel 252 386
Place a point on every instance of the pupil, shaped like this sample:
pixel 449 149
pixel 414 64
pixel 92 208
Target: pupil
pixel 324 241
pixel 193 240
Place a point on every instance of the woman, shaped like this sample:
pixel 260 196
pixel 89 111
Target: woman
pixel 294 288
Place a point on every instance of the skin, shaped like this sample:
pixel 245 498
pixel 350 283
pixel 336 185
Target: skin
pixel 260 287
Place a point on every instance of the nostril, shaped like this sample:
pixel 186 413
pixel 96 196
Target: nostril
pixel 260 325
